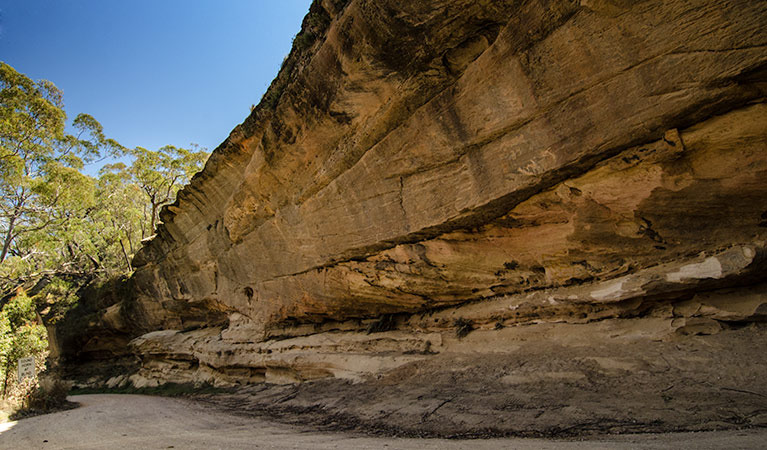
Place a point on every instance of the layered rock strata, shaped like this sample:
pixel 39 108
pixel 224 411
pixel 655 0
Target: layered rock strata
pixel 421 168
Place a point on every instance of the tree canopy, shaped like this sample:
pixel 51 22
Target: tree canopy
pixel 54 217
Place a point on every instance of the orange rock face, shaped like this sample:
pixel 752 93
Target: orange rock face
pixel 413 156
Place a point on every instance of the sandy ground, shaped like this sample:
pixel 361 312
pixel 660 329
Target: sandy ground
pixel 127 422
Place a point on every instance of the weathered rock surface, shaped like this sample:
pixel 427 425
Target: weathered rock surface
pixel 421 168
pixel 576 142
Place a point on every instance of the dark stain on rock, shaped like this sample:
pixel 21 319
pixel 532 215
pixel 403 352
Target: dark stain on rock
pixel 645 229
pixel 341 117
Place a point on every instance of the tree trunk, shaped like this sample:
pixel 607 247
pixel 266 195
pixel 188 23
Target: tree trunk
pixel 154 215
pixel 125 254
pixel 94 261
pixel 128 234
pixel 5 382
pixel 8 239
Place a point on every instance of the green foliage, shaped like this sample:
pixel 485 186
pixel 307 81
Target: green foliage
pixel 54 218
pixel 158 174
pixel 21 334
pixel 56 299
pixel 31 121
pixel 41 187
pixel 19 311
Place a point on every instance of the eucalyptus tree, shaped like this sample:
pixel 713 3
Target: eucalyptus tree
pixel 161 173
pixel 40 163
pixel 54 217
pixel 121 206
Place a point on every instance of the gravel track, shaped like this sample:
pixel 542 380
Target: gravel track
pixel 124 422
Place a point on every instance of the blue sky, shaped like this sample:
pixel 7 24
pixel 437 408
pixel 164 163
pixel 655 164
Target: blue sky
pixel 153 72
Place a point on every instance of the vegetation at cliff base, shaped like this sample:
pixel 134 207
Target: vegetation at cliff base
pixel 61 228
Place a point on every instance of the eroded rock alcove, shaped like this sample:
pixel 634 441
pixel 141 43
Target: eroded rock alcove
pixel 435 180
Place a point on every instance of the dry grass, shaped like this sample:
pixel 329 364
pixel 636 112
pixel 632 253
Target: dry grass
pixel 32 398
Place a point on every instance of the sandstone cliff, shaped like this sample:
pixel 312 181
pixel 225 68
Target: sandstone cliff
pixel 422 170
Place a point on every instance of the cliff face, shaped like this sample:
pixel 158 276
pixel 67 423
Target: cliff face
pixel 421 168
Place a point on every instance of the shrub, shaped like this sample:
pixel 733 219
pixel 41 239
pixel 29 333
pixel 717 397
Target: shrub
pixel 49 395
pixel 21 335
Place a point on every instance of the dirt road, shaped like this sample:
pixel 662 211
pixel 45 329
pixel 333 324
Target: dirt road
pixel 127 422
